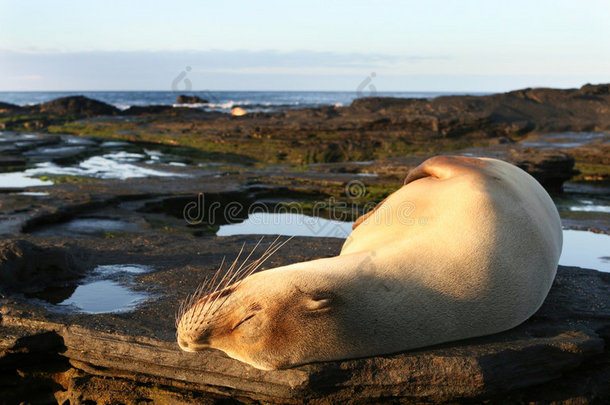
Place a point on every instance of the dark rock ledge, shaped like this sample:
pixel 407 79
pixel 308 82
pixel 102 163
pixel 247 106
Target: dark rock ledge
pixel 560 355
pixel 185 99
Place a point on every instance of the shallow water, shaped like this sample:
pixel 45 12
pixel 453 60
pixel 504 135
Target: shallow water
pixel 566 140
pixel 55 150
pixel 584 198
pixel 109 166
pixel 103 296
pixel 34 193
pixel 113 144
pixel 113 269
pixel 116 160
pixel 103 293
pixel 590 206
pixel 580 248
pixel 586 249
pixel 86 227
pixel 287 224
pixel 19 180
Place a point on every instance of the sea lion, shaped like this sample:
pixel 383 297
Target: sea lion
pixel 466 247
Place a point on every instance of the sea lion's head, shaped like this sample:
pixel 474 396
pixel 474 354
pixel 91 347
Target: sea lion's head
pixel 270 320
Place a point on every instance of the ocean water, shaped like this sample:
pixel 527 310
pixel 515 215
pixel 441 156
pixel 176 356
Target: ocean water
pixel 580 248
pixel 265 101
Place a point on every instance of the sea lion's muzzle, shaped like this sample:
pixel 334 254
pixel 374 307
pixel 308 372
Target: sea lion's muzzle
pixel 193 346
pixel 190 343
pixel 184 345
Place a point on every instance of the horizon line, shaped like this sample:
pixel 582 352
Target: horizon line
pixel 257 90
pixel 298 90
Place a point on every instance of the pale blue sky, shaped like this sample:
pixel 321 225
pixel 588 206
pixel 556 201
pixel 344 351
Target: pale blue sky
pixel 313 45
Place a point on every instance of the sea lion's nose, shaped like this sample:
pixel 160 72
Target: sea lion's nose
pixel 184 345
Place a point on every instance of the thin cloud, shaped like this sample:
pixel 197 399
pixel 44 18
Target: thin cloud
pixel 219 59
pixel 270 70
pixel 156 69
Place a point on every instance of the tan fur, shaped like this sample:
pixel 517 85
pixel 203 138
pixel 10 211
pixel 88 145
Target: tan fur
pixel 467 247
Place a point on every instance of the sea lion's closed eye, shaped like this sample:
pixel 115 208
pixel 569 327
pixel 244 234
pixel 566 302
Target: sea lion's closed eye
pixel 244 320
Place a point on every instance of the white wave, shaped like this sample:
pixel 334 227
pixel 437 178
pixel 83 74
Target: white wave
pixel 121 106
pixel 228 105
pixel 192 105
pixel 223 106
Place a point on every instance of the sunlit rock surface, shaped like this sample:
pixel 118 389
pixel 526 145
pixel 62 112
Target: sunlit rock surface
pixel 97 249
pixel 559 355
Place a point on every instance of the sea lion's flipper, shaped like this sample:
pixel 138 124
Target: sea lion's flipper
pixel 443 167
pixel 440 167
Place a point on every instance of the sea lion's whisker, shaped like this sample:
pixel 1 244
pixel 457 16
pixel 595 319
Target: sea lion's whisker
pixel 244 268
pixel 192 299
pixel 230 270
pixel 235 275
pixel 252 267
pixel 270 251
pixel 195 297
pixel 238 273
pixel 215 277
pixel 209 287
pixel 210 282
pixel 208 294
pixel 222 279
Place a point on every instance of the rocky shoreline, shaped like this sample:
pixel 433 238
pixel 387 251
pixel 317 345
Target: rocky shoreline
pixel 96 187
pixel 560 354
pixel 369 129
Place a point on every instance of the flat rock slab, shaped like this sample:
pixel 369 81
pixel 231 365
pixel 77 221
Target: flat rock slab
pixel 560 354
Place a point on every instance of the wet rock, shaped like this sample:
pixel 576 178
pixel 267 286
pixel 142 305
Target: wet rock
pixel 76 106
pixel 592 89
pixel 11 161
pixel 515 112
pixel 379 103
pixel 146 109
pixel 558 355
pixel 7 107
pixel 550 168
pixel 371 128
pixel 184 99
pixel 502 140
pixel 28 361
pixel 28 268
